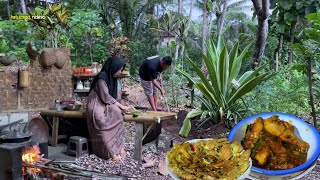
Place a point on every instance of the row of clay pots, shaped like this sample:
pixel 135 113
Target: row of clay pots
pixel 7 60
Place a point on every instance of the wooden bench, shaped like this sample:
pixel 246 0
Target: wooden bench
pixel 145 117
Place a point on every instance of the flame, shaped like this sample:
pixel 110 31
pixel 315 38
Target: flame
pixel 31 156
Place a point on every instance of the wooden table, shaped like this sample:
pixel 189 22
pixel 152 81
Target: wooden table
pixel 145 117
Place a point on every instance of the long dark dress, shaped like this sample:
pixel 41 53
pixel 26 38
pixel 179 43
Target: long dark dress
pixel 105 122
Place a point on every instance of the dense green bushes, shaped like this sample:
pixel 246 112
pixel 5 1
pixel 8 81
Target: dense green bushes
pixel 286 92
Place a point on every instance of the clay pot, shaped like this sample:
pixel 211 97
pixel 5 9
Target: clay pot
pixel 61 59
pixel 47 57
pixel 7 60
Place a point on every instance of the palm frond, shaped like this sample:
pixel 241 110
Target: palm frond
pixel 241 3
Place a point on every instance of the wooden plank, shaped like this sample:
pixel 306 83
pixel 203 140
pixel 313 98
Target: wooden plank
pixel 19 99
pixel 138 142
pixel 81 90
pixel 143 117
pixel 55 129
pixel 162 113
pixel 149 116
pixel 64 114
pixel 140 118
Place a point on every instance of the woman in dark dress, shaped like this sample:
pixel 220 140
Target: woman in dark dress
pixel 105 113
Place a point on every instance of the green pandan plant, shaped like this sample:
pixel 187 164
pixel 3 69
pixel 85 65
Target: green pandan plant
pixel 4 47
pixel 222 87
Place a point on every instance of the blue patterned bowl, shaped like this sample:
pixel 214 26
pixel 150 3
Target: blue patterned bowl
pixel 305 131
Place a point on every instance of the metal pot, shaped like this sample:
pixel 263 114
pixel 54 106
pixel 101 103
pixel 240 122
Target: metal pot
pixel 16 137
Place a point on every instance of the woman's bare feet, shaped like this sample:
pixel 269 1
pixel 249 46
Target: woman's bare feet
pixel 123 153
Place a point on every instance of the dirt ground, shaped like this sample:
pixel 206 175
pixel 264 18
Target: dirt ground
pixel 136 97
pixel 172 127
pixel 133 169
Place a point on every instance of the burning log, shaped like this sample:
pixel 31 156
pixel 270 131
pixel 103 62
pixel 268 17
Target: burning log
pixel 30 175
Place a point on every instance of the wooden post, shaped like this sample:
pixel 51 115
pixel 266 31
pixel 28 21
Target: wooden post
pixel 55 128
pixel 138 141
pixel 19 98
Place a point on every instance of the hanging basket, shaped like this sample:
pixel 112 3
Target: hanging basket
pixel 61 59
pixel 47 57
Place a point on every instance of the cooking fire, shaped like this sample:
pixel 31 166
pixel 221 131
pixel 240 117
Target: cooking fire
pixel 31 156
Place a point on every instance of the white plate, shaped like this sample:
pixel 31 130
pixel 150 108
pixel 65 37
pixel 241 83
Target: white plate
pixel 174 176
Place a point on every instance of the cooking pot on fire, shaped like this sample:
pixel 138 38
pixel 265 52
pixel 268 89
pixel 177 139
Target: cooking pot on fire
pixel 14 136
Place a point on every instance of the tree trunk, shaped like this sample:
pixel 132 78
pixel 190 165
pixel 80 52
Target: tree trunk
pixel 221 18
pixel 211 18
pixel 204 28
pixel 8 9
pixel 276 62
pixel 176 55
pixel 23 6
pixel 292 30
pixel 278 52
pixel 280 45
pixel 187 28
pixel 90 48
pixel 313 111
pixel 180 3
pixel 262 10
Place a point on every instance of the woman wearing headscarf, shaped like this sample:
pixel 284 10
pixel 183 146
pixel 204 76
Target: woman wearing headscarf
pixel 104 112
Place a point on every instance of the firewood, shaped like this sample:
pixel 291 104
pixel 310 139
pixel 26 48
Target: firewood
pixel 79 172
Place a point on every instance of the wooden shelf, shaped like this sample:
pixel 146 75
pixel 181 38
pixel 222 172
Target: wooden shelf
pixel 81 90
pixel 124 74
pixel 85 76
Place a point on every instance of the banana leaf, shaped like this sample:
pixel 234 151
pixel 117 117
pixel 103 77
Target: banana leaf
pixel 186 126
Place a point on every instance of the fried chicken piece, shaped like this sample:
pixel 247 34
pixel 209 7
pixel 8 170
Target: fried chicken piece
pixel 285 131
pixel 288 136
pixel 253 134
pixel 262 154
pixel 275 145
pixel 275 126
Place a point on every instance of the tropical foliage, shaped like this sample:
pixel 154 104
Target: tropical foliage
pixel 221 86
pixel 309 48
pixel 51 24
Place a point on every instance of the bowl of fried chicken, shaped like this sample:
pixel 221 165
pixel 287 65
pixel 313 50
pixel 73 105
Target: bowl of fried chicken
pixel 282 145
